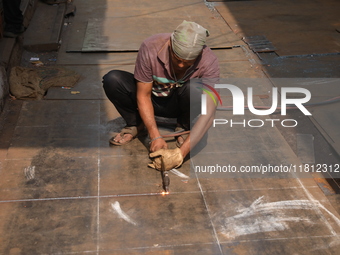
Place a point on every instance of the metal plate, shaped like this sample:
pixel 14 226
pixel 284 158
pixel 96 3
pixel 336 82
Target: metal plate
pixel 126 34
pixel 305 148
pixel 294 27
pixel 324 116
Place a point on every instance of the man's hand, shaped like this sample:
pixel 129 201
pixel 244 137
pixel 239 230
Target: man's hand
pixel 158 144
pixel 171 159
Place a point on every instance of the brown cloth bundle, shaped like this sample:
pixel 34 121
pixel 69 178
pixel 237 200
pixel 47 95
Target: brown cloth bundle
pixel 28 83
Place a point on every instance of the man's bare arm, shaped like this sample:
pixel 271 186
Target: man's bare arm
pixel 201 126
pixel 146 112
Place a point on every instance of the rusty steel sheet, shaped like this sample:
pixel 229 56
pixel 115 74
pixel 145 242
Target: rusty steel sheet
pixel 325 97
pixel 326 119
pixel 305 148
pixel 132 21
pixel 126 34
pixel 106 9
pixel 294 28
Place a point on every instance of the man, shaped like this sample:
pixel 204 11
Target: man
pixel 13 18
pixel 160 87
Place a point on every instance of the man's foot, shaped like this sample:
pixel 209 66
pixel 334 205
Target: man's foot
pixel 121 139
pixel 126 135
pixel 181 138
pixel 179 141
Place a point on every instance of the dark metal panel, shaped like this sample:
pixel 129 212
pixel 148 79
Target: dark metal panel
pixel 259 43
pixel 295 28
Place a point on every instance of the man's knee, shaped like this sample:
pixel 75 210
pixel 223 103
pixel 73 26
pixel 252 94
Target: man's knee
pixel 189 92
pixel 111 78
pixel 119 81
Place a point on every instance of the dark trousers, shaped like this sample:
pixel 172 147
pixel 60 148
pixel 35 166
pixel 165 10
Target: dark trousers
pixel 120 88
pixel 12 15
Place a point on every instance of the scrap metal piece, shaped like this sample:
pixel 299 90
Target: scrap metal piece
pixel 166 181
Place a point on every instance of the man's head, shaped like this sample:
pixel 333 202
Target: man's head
pixel 188 39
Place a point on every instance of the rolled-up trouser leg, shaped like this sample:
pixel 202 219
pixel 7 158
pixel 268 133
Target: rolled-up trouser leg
pixel 120 88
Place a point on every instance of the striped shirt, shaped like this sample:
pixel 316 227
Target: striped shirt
pixel 153 65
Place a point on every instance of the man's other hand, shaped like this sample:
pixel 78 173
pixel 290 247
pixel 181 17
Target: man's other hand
pixel 158 144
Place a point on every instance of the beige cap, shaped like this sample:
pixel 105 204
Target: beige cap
pixel 188 40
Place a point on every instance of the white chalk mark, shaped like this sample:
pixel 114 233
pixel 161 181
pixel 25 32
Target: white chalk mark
pixel 209 213
pixel 116 206
pixel 334 243
pixel 311 198
pixel 337 220
pixel 267 217
pixel 179 174
pixel 307 82
pixel 30 172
